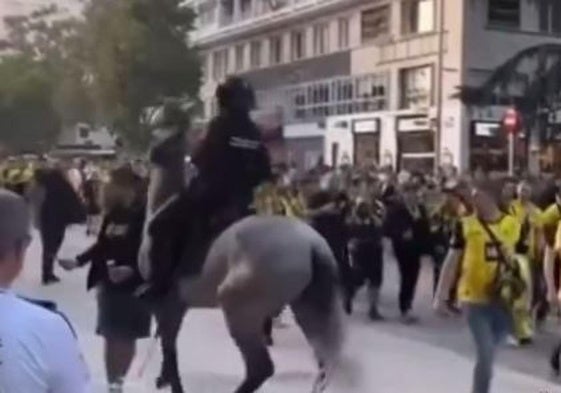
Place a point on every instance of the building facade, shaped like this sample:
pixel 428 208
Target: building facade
pixel 369 81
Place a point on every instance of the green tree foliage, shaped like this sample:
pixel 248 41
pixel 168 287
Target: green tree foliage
pixel 28 119
pixel 137 53
pixel 42 80
pixel 107 66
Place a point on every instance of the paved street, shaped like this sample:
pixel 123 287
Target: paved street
pixel 434 356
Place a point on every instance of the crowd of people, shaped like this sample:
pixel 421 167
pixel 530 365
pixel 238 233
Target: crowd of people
pixel 452 220
pixel 494 242
pixel 484 235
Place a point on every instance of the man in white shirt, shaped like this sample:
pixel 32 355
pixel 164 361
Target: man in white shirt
pixel 38 350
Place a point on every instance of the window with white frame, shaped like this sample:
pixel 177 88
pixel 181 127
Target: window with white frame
pixel 275 50
pixel 321 39
pixel 343 33
pixel 416 87
pixel 245 8
pixel 239 54
pixel 417 16
pixel 206 13
pixel 255 54
pixel 226 11
pixel 504 13
pixel 337 96
pixel 220 64
pixel 550 16
pixel 298 45
pixel 375 22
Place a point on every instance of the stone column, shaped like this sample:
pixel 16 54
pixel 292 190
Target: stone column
pixel 237 10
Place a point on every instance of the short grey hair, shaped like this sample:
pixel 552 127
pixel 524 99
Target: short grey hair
pixel 15 222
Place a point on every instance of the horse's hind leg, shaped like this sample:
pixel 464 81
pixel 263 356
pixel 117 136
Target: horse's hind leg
pixel 169 319
pixel 247 332
pixel 320 330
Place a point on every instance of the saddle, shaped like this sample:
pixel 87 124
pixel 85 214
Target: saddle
pixel 182 236
pixel 203 234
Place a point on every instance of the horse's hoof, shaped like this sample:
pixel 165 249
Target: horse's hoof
pixel 321 382
pixel 162 383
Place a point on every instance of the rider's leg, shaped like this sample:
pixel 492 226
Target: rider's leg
pixel 168 230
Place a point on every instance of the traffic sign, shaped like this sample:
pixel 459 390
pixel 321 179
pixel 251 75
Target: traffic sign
pixel 512 121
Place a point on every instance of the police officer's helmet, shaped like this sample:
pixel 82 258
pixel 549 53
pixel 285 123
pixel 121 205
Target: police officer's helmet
pixel 172 113
pixel 235 94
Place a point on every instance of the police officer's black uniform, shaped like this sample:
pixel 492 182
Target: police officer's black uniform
pixel 231 161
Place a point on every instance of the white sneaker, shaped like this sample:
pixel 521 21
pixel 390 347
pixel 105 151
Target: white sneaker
pixel 116 387
pixel 512 341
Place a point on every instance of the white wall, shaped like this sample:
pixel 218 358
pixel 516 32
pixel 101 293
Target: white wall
pixel 335 133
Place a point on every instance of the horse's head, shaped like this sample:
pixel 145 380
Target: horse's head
pixel 169 124
pixel 168 146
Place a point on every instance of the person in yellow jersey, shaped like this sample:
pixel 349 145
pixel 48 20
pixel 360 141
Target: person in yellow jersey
pixel 293 202
pixel 267 200
pixel 550 220
pixel 443 221
pixel 528 215
pixel 474 251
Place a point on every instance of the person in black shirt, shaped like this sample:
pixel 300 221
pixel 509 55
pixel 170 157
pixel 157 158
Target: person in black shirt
pixel 91 190
pixel 122 317
pixel 56 207
pixel 366 251
pixel 407 226
pixel 328 211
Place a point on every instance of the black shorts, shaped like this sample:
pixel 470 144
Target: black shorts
pixel 122 315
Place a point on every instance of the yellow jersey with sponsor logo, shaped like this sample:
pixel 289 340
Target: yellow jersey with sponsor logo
pixel 480 255
pixel 550 219
pixel 529 214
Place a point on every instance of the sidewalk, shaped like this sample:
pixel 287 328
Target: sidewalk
pixel 392 358
pixel 211 364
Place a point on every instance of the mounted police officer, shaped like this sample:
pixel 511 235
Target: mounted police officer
pixel 231 161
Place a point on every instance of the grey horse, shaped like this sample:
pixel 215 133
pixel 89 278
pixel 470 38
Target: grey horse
pixel 255 267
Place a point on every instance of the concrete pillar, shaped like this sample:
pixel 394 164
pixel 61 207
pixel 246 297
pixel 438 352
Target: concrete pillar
pixel 395 16
pixel 253 8
pixel 237 10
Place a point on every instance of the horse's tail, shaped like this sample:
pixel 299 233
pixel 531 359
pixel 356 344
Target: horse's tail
pixel 323 312
pixel 321 302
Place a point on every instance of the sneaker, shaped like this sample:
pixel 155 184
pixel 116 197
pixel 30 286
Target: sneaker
pixel 408 319
pixel 512 342
pixel 115 388
pixel 375 315
pixel 50 279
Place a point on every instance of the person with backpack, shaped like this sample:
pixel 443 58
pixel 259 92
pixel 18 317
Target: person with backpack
pixel 483 250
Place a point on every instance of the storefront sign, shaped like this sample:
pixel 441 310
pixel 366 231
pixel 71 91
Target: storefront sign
pixel 366 125
pixel 413 124
pixel 487 129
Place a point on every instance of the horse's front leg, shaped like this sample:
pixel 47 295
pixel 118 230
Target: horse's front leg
pixel 169 317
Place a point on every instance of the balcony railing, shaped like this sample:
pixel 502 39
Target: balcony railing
pixel 313 101
pixel 261 14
